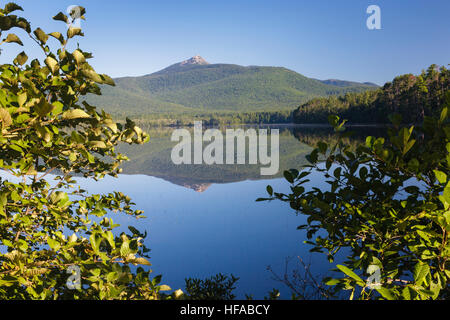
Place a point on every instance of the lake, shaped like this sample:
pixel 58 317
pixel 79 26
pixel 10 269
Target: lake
pixel 203 219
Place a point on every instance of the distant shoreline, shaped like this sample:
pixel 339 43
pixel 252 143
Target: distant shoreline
pixel 324 124
pixel 309 125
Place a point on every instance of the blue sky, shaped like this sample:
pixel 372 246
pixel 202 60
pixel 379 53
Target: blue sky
pixel 320 39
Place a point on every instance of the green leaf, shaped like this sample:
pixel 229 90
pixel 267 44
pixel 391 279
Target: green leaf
pixel 13 38
pixel 332 282
pixel 423 235
pixel 444 114
pixel 425 292
pixel 53 244
pixel 110 238
pixel 75 114
pixel 72 32
pixel 21 58
pixel 288 176
pixel 421 270
pixel 58 36
pixel 96 272
pixel 337 172
pixel 97 144
pixel 107 80
pixel 61 17
pixel 57 108
pixel 92 75
pixel 125 249
pixel 5 118
pixel 72 156
pixel 16 148
pixel 142 261
pixel 441 176
pixel 112 276
pixel 10 7
pixel 351 274
pixel 43 107
pixel 363 172
pixel 408 146
pixel 72 238
pixel 95 240
pixel 406 293
pixel 52 64
pixel 41 35
pixel 22 98
pixel 298 190
pixel 58 196
pixel 79 57
pixel 446 193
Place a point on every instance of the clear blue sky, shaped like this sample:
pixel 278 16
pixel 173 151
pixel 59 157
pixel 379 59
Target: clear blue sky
pixel 320 39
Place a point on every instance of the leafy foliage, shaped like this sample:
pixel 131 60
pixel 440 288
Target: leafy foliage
pixel 413 97
pixel 388 206
pixel 218 287
pixel 45 226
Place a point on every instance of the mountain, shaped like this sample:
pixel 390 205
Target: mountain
pixel 184 65
pixel 195 85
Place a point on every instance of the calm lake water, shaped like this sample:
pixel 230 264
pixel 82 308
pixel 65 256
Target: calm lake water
pixel 203 220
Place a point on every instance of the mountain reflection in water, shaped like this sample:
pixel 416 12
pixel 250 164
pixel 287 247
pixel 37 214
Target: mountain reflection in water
pixel 296 141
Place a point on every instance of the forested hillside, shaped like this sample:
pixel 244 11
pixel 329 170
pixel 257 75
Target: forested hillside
pixel 201 87
pixel 411 96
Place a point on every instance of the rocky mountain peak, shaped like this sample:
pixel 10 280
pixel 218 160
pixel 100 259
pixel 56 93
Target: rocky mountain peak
pixel 195 60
